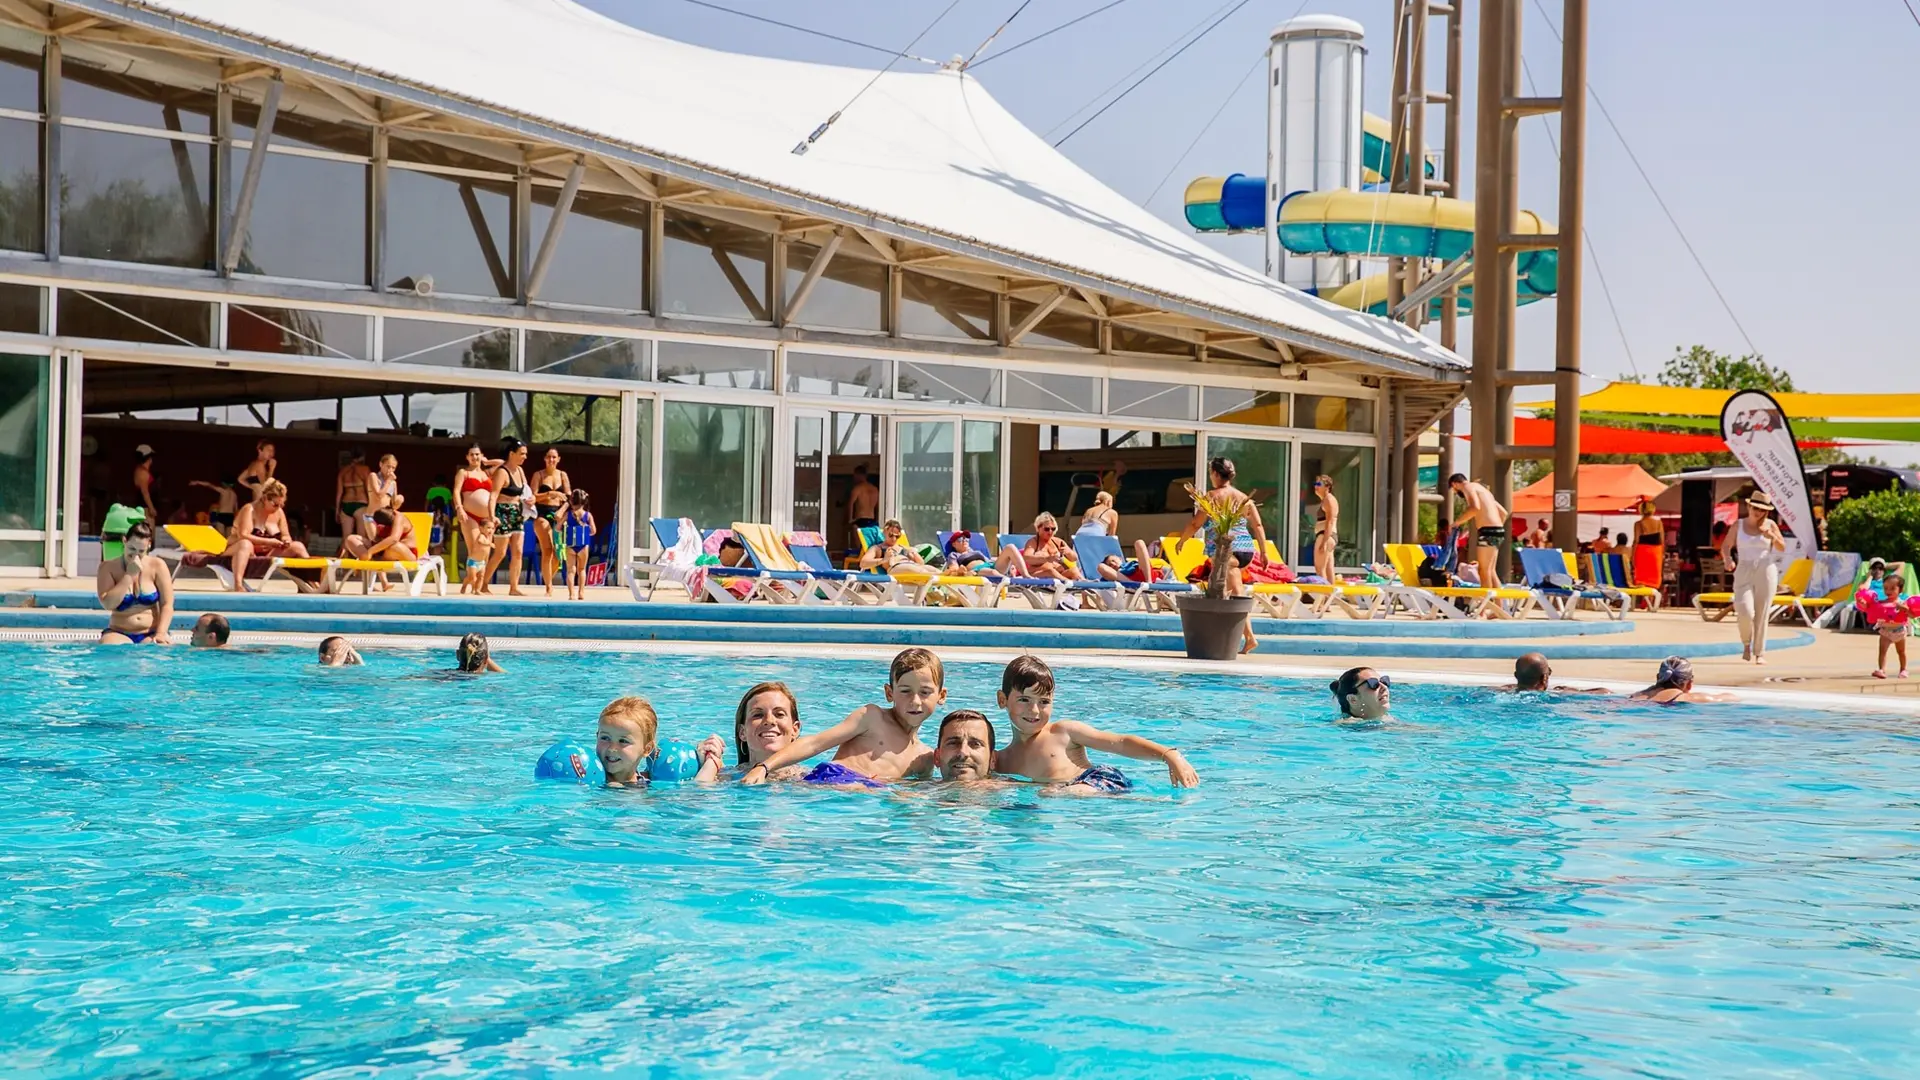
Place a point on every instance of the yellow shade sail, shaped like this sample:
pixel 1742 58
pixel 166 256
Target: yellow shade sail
pixel 1636 398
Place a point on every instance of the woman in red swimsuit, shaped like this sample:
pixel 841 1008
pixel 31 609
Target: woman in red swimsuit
pixel 475 490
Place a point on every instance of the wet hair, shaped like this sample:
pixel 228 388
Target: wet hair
pixel 966 716
pixel 638 711
pixel 472 653
pixel 1223 468
pixel 1026 672
pixel 1674 670
pixel 273 489
pixel 578 499
pixel 332 647
pixel 1456 478
pixel 1345 687
pixel 740 714
pixel 916 659
pixel 216 626
pixel 1530 672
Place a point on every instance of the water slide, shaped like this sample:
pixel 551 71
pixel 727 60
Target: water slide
pixel 1369 223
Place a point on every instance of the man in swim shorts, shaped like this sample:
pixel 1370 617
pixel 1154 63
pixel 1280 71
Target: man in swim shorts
pixel 1485 510
pixel 1055 751
pixel 963 751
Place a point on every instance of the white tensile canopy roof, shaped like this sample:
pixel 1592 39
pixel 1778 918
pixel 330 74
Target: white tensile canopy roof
pixel 927 155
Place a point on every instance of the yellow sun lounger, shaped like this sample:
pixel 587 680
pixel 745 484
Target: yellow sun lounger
pixel 916 586
pixel 1436 602
pixel 1278 600
pixel 1790 599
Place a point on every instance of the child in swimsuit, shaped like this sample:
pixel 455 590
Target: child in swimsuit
pixel 875 744
pixel 577 532
pixel 1055 751
pixel 629 736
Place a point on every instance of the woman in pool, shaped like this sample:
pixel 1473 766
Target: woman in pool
pixel 552 491
pixel 260 470
pixel 1362 694
pixel 260 531
pixel 475 657
pixel 1249 539
pixel 475 489
pixel 510 500
pixel 137 592
pixel 767 719
pixel 1674 684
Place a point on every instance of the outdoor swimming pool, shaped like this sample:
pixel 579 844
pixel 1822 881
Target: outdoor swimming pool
pixel 246 864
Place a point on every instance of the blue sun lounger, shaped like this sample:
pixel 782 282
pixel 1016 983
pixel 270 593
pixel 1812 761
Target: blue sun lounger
pixel 1095 549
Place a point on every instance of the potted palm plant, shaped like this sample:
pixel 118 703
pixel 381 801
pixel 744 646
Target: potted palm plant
pixel 1212 622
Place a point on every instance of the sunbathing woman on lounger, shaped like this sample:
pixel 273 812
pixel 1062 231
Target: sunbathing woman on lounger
pixel 260 531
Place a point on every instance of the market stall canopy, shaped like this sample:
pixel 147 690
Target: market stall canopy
pixel 1604 489
pixel 1621 397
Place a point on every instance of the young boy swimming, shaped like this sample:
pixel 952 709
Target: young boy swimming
pixel 629 734
pixel 1056 751
pixel 874 744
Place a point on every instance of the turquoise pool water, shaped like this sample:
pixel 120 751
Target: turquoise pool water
pixel 243 864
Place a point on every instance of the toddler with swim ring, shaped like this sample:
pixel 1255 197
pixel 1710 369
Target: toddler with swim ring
pixel 627 752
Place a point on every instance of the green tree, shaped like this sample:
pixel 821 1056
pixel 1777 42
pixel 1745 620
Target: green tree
pixel 1885 523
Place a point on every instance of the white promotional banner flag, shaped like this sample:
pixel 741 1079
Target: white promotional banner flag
pixel 1756 430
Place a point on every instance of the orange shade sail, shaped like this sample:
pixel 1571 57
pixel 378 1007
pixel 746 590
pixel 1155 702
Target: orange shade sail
pixel 1604 489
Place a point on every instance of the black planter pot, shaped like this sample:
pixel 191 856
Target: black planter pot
pixel 1213 628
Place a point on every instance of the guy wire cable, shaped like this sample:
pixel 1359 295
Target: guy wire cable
pixel 806 144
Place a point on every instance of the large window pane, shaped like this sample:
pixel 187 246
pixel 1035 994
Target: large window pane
pixel 980 475
pixel 22 223
pixel 836 376
pixel 157 320
pixel 1047 392
pixel 1232 405
pixel 134 199
pixel 947 382
pixel 1334 413
pixel 445 416
pixel 454 229
pixel 21 308
pixel 849 295
pixel 19 76
pixel 643 471
pixel 1163 401
pixel 715 460
pixel 933 307
pixel 809 473
pixel 1128 340
pixel 587 355
pixel 547 419
pixel 309 219
pixel 24 394
pixel 714 269
pixel 924 484
pixel 603 247
pixel 294 332
pixel 416 341
pixel 1351 468
pixel 23 552
pixel 94 94
pixel 1260 470
pixel 694 364
pixel 293 129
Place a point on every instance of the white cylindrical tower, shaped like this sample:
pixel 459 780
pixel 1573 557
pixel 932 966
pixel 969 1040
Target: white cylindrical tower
pixel 1315 65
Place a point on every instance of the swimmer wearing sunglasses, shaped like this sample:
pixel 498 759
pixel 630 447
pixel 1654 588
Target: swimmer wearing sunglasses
pixel 1362 693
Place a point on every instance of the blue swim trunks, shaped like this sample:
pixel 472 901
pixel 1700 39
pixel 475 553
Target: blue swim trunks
pixel 832 772
pixel 1105 778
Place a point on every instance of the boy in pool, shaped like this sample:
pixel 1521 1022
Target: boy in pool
pixel 1044 749
pixel 875 744
pixel 629 734
pixel 336 651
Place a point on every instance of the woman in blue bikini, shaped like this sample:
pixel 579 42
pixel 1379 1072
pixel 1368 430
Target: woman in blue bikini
pixel 137 592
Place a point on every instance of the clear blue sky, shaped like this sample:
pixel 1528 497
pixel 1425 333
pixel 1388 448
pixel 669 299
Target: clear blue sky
pixel 1778 133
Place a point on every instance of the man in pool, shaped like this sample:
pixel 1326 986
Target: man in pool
pixel 875 744
pixel 211 631
pixel 1533 674
pixel 963 751
pixel 335 651
pixel 1055 751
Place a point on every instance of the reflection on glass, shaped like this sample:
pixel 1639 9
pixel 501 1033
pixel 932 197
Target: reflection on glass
pixel 454 229
pixel 856 435
pixel 157 320
pixel 1047 392
pixel 836 376
pixel 20 308
pixel 980 475
pixel 924 484
pixel 947 382
pixel 603 247
pixel 715 460
pixel 549 419
pixel 1260 470
pixel 382 415
pixel 1232 405
pixel 1334 413
pixel 301 414
pixel 19 80
pixel 934 307
pixel 1352 470
pixel 713 269
pixel 296 332
pixel 643 470
pixel 586 355
pixel 849 295
pixel 293 129
pixel 134 199
pixel 24 394
pixel 695 364
pixel 93 94
pixel 22 225
pixel 440 416
pixel 417 341
pixel 23 552
pixel 809 472
pixel 1162 401
pixel 309 219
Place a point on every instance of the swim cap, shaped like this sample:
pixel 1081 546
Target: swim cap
pixel 674 761
pixel 572 763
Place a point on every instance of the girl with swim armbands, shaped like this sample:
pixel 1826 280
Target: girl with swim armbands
pixel 1889 616
pixel 628 747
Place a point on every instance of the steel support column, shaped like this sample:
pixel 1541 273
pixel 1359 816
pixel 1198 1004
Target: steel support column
pixel 1488 220
pixel 250 182
pixel 1572 211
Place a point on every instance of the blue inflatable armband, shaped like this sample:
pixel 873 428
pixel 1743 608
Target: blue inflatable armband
pixel 572 763
pixel 673 762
